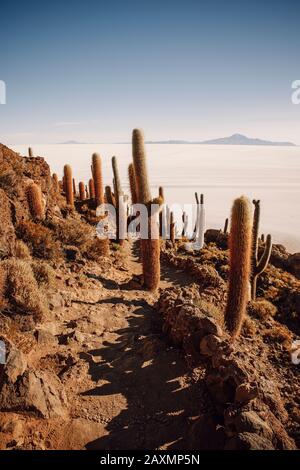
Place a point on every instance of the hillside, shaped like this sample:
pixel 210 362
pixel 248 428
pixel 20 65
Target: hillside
pixel 96 361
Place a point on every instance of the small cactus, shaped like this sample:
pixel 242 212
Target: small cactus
pixel 30 152
pixel 34 196
pixel 172 228
pixel 226 226
pixel 91 189
pixel 68 184
pixel 74 187
pixel 110 196
pixel 97 176
pixel 258 265
pixel 55 182
pixel 81 191
pixel 240 265
pixel 86 192
pixel 150 248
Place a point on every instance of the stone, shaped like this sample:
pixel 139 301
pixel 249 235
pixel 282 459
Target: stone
pixel 248 441
pixel 249 421
pixel 15 365
pixel 210 326
pixel 37 391
pixel 209 344
pixel 245 392
pixel 56 301
pixel 45 338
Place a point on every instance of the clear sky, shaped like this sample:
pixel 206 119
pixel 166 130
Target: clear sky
pixel 93 70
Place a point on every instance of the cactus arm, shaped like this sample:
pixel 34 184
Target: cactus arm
pixel 263 262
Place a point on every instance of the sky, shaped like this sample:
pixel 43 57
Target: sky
pixel 93 70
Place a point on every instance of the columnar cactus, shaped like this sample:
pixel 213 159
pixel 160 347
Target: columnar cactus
pixel 34 196
pixel 110 196
pixel 97 176
pixel 172 228
pixel 258 265
pixel 185 221
pixel 119 202
pixel 150 247
pixel 81 191
pixel 240 265
pixel 132 183
pixel 30 152
pixel 226 226
pixel 55 182
pixel 74 187
pixel 86 192
pixel 91 189
pixel 68 182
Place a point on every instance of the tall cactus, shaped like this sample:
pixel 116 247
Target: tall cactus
pixel 97 176
pixel 150 247
pixel 68 183
pixel 258 265
pixel 240 265
pixel 226 226
pixel 34 196
pixel 91 189
pixel 81 191
pixel 132 184
pixel 121 223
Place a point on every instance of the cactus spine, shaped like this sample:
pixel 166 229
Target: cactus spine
pixel 240 265
pixel 150 247
pixel 258 265
pixel 91 189
pixel 34 196
pixel 81 191
pixel 68 184
pixel 97 176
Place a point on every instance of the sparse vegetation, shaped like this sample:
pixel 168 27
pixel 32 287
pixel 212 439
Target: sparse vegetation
pixel 40 240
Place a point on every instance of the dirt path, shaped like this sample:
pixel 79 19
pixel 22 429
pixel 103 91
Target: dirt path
pixel 128 388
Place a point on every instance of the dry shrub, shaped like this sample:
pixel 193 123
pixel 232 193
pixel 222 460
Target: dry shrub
pixel 21 250
pixel 262 309
pixel 279 334
pixel 249 328
pixel 210 310
pixel 22 289
pixel 10 176
pixel 40 240
pixel 96 248
pixel 73 232
pixel 43 273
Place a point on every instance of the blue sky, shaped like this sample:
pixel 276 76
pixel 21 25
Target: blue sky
pixel 92 71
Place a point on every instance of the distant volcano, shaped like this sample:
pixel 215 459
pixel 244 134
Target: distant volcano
pixel 235 139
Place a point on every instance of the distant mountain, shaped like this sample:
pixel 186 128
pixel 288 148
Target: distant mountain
pixel 239 139
pixel 235 139
pixel 71 142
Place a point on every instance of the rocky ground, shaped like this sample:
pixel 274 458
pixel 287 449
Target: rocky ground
pixel 95 362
